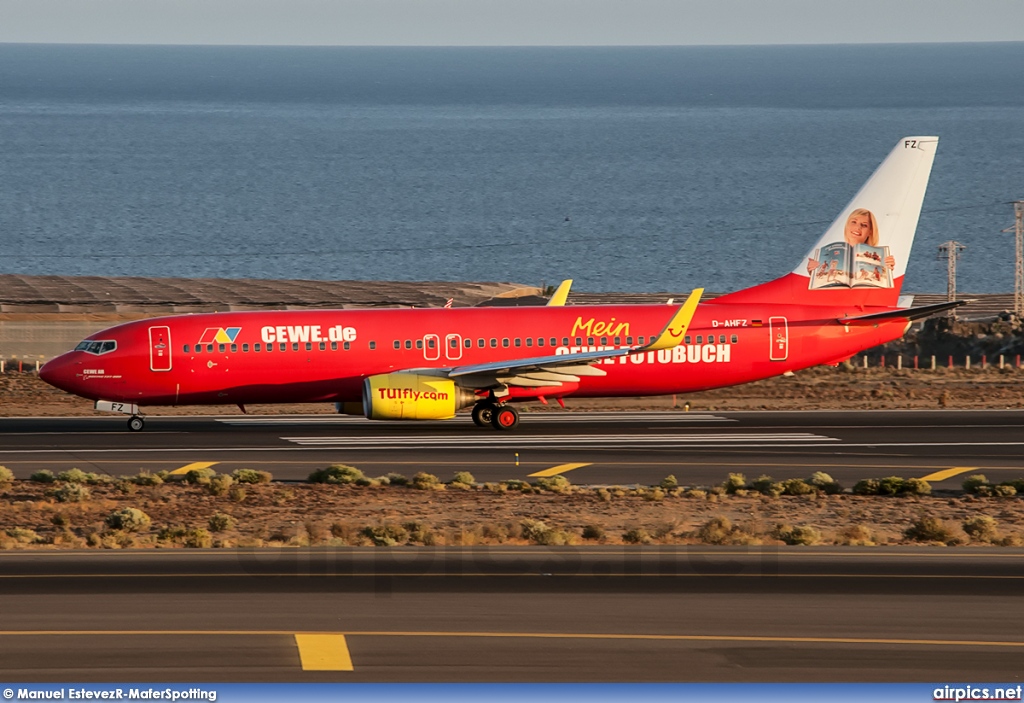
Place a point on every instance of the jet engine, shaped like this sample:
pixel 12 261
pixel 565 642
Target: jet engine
pixel 411 396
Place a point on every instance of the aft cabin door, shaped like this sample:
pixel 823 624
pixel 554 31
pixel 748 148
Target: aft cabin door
pixel 453 347
pixel 160 348
pixel 431 347
pixel 778 328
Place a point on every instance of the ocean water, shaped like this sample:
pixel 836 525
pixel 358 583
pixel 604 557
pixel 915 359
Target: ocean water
pixel 628 169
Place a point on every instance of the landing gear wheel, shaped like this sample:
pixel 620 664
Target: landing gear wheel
pixel 482 413
pixel 505 417
pixel 136 423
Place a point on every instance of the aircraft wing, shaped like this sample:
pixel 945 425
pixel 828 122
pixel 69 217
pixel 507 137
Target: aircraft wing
pixel 556 369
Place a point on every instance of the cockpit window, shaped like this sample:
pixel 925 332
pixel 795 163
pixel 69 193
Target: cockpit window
pixel 93 346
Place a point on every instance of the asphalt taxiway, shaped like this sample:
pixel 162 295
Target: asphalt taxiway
pixel 593 448
pixel 514 614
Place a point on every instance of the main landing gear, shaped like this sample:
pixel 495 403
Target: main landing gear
pixel 136 423
pixel 500 417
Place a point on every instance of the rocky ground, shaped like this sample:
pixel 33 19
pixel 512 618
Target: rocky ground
pixel 279 515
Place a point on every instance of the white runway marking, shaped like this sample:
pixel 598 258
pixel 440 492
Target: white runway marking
pixel 588 441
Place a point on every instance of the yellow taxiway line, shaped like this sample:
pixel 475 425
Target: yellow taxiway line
pixel 949 473
pixel 558 470
pixel 191 467
pixel 323 652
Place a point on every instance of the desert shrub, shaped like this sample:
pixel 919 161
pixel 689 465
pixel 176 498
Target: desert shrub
pixel 425 482
pixel 982 528
pixel 857 536
pixel 197 538
pixel 128 519
pixel 386 535
pixel 70 493
pixel 695 493
pixel 604 495
pixel 717 530
pixel 866 487
pixel 144 478
pixel 171 533
pixel 797 487
pixel 555 538
pixel 43 476
pixel 73 476
pixel 337 474
pixel 637 535
pixel 219 485
pixel 220 522
pixel 497 532
pixel 931 529
pixel 593 532
pixel 6 475
pixel 768 486
pixel 825 483
pixel 237 494
pixel 23 535
pixel 654 495
pixel 669 483
pixel 397 479
pixel 419 532
pixel 60 520
pixel 532 530
pixel 251 476
pixel 1017 483
pixel 554 484
pixel 463 477
pixel 200 477
pixel 1004 490
pixel 915 486
pixel 890 485
pixel 971 484
pixel 514 484
pixel 734 482
pixel 799 534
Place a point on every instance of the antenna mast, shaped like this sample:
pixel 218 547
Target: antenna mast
pixel 950 251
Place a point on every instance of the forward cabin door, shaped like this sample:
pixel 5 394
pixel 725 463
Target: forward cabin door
pixel 160 348
pixel 778 329
pixel 431 347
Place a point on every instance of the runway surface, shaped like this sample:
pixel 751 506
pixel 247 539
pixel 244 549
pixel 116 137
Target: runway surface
pixel 594 448
pixel 514 614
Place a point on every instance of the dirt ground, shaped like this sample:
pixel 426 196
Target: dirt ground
pixel 845 387
pixel 280 515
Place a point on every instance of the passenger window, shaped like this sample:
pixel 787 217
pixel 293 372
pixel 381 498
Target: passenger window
pixel 554 341
pixel 686 339
pixel 334 346
pixel 430 343
pixel 234 348
pixel 579 341
pixel 323 346
pixel 373 345
pixel 629 341
pixel 185 349
pixel 735 339
pixel 721 339
pixel 618 341
pixel 220 348
pixel 295 346
pixel 590 341
pixel 519 342
pixel 453 343
pixel 283 346
pixel 419 343
pixel 529 341
pixel 245 348
pixel 468 343
pixel 408 344
pixel 504 342
pixel 209 348
pixel 700 339
pixel 604 340
pixel 257 347
pixel 398 344
pixel 480 342
pixel 348 345
pixel 640 339
pixel 540 341
pixel 199 349
pixel 494 342
pixel 270 347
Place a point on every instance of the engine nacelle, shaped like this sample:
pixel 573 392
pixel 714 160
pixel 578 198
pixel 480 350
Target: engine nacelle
pixel 411 396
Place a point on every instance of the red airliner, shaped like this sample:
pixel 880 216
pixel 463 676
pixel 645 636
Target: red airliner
pixel 426 364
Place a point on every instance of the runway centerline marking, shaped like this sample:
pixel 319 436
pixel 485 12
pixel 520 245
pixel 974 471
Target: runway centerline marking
pixel 323 652
pixel 194 466
pixel 948 473
pixel 558 470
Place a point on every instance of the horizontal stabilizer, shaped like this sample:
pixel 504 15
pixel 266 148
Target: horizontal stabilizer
pixel 917 313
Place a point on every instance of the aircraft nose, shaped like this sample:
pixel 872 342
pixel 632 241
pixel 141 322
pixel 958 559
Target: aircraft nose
pixel 59 372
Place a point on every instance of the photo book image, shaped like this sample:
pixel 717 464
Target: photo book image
pixel 851 266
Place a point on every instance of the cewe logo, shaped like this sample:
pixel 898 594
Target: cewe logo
pixel 219 335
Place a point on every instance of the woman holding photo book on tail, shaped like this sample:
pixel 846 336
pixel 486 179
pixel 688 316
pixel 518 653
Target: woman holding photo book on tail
pixel 857 262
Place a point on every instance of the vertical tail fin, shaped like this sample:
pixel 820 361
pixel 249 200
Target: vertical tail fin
pixel 862 256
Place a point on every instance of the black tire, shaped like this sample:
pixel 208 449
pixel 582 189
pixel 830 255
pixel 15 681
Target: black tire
pixel 505 417
pixel 136 423
pixel 482 413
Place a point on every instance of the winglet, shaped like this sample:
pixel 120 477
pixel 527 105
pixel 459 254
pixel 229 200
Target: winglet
pixel 673 333
pixel 561 294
